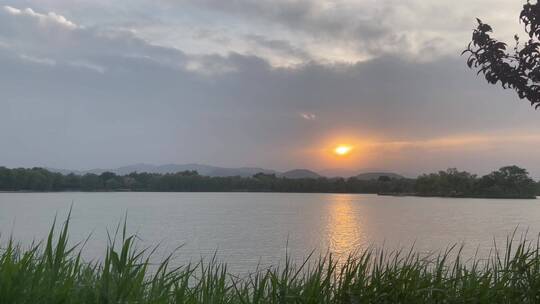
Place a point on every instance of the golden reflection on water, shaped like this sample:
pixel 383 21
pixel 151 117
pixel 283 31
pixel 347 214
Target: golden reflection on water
pixel 344 225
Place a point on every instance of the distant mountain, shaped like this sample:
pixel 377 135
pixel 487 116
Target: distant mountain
pixel 215 171
pixel 163 169
pixel 300 173
pixel 346 172
pixel 173 168
pixel 339 172
pixel 65 171
pixel 376 175
pixel 244 171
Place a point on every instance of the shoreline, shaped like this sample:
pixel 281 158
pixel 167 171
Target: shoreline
pixel 457 196
pixel 291 192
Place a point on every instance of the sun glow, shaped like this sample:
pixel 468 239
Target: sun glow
pixel 342 150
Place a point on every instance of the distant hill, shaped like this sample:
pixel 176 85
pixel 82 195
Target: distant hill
pixel 376 175
pixel 300 173
pixel 173 168
pixel 338 172
pixel 244 171
pixel 215 171
pixel 346 172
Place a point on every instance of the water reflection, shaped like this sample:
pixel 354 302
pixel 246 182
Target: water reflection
pixel 252 229
pixel 344 226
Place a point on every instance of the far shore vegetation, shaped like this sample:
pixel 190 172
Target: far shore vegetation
pixel 507 182
pixel 53 272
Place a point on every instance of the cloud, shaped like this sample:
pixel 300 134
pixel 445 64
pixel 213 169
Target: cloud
pixel 44 61
pixel 349 31
pixel 42 18
pixel 113 98
pixel 308 116
pixel 51 38
pixel 324 17
pixel 12 10
pixel 88 65
pixel 286 32
pixel 479 153
pixel 282 47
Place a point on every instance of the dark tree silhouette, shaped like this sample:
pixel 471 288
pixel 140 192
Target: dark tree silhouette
pixel 507 182
pixel 517 69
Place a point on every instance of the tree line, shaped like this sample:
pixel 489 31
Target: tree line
pixel 507 182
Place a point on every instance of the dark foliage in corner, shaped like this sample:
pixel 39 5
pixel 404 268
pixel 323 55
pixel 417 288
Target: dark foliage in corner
pixel 517 69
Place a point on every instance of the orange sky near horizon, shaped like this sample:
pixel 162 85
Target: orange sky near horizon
pixel 372 152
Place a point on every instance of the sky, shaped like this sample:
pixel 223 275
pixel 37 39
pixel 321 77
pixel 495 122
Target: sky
pixel 268 83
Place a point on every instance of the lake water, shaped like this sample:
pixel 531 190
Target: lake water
pixel 246 229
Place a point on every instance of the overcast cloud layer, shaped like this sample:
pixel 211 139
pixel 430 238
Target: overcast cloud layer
pixel 256 83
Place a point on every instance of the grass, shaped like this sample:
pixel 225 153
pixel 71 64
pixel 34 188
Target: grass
pixel 52 272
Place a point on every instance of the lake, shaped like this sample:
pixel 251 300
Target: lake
pixel 247 229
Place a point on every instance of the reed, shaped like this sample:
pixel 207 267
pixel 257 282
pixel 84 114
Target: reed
pixel 53 272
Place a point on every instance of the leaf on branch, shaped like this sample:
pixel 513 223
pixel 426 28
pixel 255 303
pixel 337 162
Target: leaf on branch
pixel 519 71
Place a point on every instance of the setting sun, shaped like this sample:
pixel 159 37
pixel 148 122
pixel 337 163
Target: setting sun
pixel 342 150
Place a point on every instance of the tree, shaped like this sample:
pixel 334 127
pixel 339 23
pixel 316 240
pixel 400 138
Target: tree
pixel 40 179
pixel 113 184
pixel 262 176
pixel 509 181
pixel 72 181
pixel 451 182
pixel 384 178
pixel 91 182
pixel 107 175
pixel 6 179
pixel 518 69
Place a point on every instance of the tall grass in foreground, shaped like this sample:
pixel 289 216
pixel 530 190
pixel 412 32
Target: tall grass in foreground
pixel 51 272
